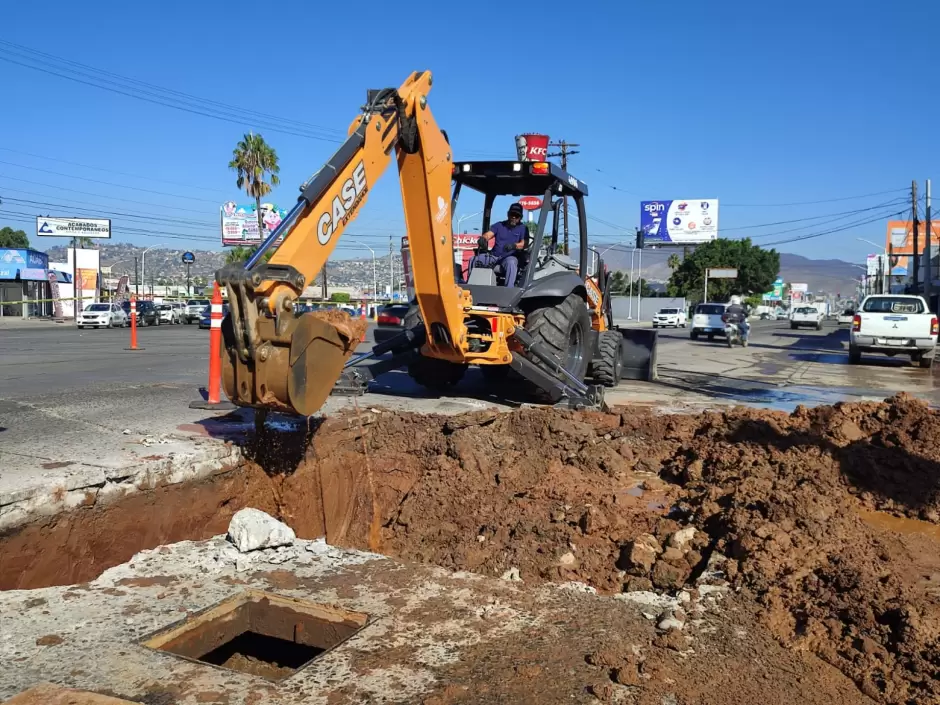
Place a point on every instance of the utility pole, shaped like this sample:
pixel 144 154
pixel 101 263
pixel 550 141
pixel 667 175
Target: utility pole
pixel 391 270
pixel 323 289
pixel 928 274
pixel 136 277
pixel 916 227
pixel 565 150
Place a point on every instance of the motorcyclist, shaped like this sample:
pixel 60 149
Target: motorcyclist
pixel 736 314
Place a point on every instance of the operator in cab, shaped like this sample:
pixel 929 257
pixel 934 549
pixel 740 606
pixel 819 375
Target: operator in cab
pixel 503 240
pixel 737 314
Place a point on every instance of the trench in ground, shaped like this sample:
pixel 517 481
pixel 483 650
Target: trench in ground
pixel 797 503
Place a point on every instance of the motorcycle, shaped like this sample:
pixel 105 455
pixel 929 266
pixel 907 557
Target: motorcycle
pixel 733 334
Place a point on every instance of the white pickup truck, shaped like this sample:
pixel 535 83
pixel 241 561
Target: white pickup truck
pixel 894 324
pixel 808 316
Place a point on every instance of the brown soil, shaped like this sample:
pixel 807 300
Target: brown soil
pixel 829 519
pixel 787 498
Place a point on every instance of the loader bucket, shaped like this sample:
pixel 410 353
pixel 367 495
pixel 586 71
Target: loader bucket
pixel 639 354
pixel 294 372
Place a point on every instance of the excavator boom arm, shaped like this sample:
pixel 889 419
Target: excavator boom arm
pixel 276 359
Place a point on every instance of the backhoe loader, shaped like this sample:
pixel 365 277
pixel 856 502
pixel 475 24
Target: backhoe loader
pixel 539 326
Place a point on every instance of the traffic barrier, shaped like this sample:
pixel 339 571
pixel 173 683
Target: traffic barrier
pixel 133 325
pixel 213 399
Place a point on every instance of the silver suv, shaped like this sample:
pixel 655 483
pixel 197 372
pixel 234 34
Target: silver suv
pixel 194 309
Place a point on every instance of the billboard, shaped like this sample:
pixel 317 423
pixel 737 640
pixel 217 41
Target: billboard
pixel 531 147
pixel 73 227
pixel 871 265
pixel 239 222
pixel 900 237
pixel 681 222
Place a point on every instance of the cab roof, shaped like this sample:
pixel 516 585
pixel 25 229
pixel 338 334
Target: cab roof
pixel 514 178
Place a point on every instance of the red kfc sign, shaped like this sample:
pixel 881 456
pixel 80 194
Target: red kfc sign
pixel 531 147
pixel 530 203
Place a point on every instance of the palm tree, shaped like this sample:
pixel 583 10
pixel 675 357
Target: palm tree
pixel 252 160
pixel 240 254
pixel 673 262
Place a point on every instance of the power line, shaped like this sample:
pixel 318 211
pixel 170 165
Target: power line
pixel 832 231
pixel 111 214
pixel 810 203
pixel 826 222
pixel 88 193
pixel 110 183
pixel 141 90
pixel 113 171
pixel 811 217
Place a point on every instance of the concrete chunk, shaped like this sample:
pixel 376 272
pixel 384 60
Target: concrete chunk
pixel 252 529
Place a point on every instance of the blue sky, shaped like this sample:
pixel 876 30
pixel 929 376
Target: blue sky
pixel 750 103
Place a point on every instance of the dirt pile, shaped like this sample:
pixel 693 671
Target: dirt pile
pixel 780 504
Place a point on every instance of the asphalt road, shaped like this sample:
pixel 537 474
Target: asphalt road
pixel 61 358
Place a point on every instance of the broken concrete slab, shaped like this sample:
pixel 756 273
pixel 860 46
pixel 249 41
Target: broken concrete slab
pixel 428 634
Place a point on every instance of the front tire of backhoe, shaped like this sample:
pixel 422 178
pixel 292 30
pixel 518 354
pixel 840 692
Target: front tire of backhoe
pixel 563 330
pixel 609 362
pixel 436 375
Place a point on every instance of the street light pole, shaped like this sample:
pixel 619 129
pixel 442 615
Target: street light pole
pixel 143 274
pixel 464 217
pixel 884 269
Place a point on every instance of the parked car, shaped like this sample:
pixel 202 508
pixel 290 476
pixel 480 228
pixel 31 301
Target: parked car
pixel 102 315
pixel 205 321
pixel 782 314
pixel 707 321
pixel 893 324
pixel 391 321
pixel 147 314
pixel 194 308
pixel 846 317
pixel 666 317
pixel 806 316
pixel 169 313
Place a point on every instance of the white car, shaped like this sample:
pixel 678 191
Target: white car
pixel 193 310
pixel 169 313
pixel 893 324
pixel 806 316
pixel 102 315
pixel 666 317
pixel 707 321
pixel 846 317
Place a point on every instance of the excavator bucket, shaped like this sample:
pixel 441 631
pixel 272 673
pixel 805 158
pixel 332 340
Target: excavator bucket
pixel 295 371
pixel 639 354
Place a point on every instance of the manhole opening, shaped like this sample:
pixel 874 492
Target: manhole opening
pixel 259 633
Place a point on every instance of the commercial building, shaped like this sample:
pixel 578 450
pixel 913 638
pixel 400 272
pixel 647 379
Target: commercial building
pixel 28 287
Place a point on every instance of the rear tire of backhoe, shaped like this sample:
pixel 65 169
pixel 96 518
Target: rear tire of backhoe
pixel 563 330
pixel 608 365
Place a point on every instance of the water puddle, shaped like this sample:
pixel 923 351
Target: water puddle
pixel 900 525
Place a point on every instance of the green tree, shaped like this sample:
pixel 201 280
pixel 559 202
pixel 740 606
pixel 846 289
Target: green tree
pixel 757 269
pixel 618 282
pixel 82 242
pixel 340 297
pixel 15 239
pixel 253 159
pixel 240 254
pixel 673 262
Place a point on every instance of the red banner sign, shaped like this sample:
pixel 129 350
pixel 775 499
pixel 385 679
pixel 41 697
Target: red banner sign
pixel 530 203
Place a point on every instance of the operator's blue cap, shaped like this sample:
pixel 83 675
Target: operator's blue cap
pixel 516 209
